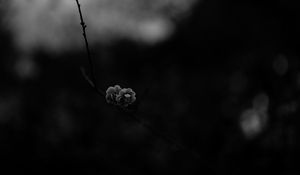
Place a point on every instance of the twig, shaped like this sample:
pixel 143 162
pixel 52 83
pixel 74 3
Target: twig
pixel 91 83
pixel 83 25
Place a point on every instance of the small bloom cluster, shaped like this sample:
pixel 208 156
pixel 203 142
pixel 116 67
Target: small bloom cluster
pixel 120 96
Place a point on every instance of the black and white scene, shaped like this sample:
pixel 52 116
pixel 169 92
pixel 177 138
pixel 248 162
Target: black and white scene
pixel 149 87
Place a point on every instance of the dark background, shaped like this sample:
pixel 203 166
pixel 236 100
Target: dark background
pixel 196 86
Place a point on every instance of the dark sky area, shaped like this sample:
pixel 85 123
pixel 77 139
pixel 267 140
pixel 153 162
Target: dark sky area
pixel 225 87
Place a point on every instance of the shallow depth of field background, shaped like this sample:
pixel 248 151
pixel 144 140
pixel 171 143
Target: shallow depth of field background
pixel 221 77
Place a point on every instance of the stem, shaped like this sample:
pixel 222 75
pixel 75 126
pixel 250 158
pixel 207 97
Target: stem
pixel 91 83
pixel 83 25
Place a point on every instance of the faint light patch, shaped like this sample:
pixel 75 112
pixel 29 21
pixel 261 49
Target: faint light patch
pixel 280 65
pixel 54 25
pixel 260 102
pixel 287 109
pixel 26 68
pixel 58 127
pixel 64 122
pixel 254 120
pixel 42 24
pixel 58 123
pixel 155 30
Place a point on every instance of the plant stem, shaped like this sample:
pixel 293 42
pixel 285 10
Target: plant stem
pixel 93 81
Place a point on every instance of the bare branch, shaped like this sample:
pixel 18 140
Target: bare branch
pixel 91 83
pixel 83 25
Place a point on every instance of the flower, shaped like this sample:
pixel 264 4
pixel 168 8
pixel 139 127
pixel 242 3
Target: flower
pixel 112 93
pixel 126 97
pixel 120 96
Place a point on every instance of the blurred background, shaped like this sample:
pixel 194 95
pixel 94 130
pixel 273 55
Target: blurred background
pixel 220 77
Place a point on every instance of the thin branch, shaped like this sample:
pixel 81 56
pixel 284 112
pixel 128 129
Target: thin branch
pixel 83 25
pixel 91 83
